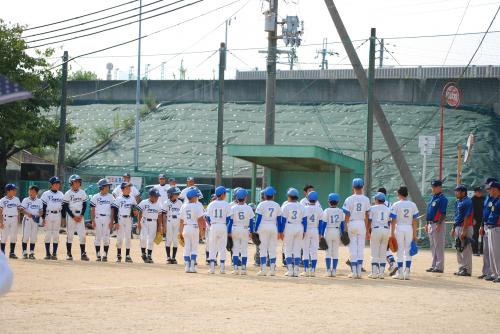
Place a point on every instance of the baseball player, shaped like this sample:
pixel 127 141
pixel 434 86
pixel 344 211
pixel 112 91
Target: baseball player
pixel 123 212
pixel 32 209
pixel 206 228
pixel 74 207
pixel 219 217
pixel 149 221
pixel 356 208
pixel 268 217
pixel 488 203
pixel 134 191
pixel 435 227
pixel 313 214
pixel 102 220
pixel 190 183
pixel 238 229
pixel 493 231
pixel 389 256
pixel 256 256
pixel 291 230
pixel 379 223
pixel 162 188
pixel 331 219
pixel 52 201
pixel 192 216
pixel 6 275
pixel 305 201
pixel 172 209
pixel 9 215
pixel 404 215
pixel 463 229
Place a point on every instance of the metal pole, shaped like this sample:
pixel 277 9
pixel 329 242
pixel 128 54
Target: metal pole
pixel 459 164
pixel 271 84
pixel 220 116
pixel 381 54
pixel 254 183
pixel 62 118
pixel 378 113
pixel 441 139
pixel 369 120
pixel 138 94
pixel 424 171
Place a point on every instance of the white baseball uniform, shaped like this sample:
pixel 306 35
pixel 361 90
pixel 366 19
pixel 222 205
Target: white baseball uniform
pixel 172 211
pixel 294 213
pixel 314 214
pixel 218 213
pixel 241 215
pixel 6 275
pixel 356 206
pixel 305 202
pixel 184 191
pixel 75 200
pixel 162 189
pixel 404 211
pixel 380 222
pixel 30 225
pixel 190 213
pixel 333 217
pixel 102 206
pixel 268 230
pixel 10 212
pixel 117 192
pixel 124 205
pixel 53 201
pixel 149 222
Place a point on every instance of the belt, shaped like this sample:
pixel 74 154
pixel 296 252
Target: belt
pixel 149 219
pixel 103 215
pixel 125 216
pixel 219 223
pixel 173 217
pixel 192 225
pixel 386 227
pixel 76 211
pixel 55 212
pixel 332 227
pixel 9 216
pixel 492 226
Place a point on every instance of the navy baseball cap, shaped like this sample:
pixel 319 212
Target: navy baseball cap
pixel 10 186
pixel 190 178
pixel 171 179
pixel 126 175
pixel 489 181
pixel 125 185
pixel 495 184
pixel 461 187
pixel 161 176
pixel 436 183
pixel 154 192
pixel 54 179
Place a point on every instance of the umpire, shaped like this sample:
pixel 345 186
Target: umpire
pixel 477 206
pixel 488 203
pixel 436 228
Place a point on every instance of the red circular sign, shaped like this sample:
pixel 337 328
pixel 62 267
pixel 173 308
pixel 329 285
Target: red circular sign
pixel 452 96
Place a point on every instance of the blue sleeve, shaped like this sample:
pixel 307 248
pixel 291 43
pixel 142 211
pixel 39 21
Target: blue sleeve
pixel 443 205
pixel 342 227
pixel 252 225
pixel 115 215
pixel 468 209
pixel 229 223
pixel 392 216
pixel 304 223
pixel 322 227
pixel 66 210
pixel 281 224
pixel 208 219
pixel 259 219
pixel 346 211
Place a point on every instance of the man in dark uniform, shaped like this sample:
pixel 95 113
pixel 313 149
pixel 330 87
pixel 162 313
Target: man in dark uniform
pixel 436 228
pixel 488 202
pixel 477 206
pixel 492 226
pixel 462 229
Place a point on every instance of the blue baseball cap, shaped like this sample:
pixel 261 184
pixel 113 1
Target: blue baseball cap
pixel 269 191
pixel 192 193
pixel 102 183
pixel 125 185
pixel 333 197
pixel 154 192
pixel 436 183
pixel 292 192
pixel 461 187
pixel 241 194
pixel 10 186
pixel 312 196
pixel 495 184
pixel 54 179
pixel 171 179
pixel 358 183
pixel 380 197
pixel 219 191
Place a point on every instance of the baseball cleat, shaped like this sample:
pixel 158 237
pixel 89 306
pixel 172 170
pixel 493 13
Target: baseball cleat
pixel 235 272
pixel 144 258
pixel 47 257
pixel 304 274
pixel 31 257
pixel 289 273
pixel 312 273
pixel 174 261
pixel 150 260
pixel 334 273
pixel 193 270
pixel 85 257
pixel 430 270
pixel 407 274
pixel 211 271
pixel 327 273
pixel 98 259
pixel 104 259
pixel 243 272
pixel 272 272
pixel 53 257
pixel 261 273
pixel 186 269
pixel 351 275
pixel 12 256
pixel 128 259
pixel 69 257
pixel 118 259
pixel 25 256
pixel 373 275
pixel 381 274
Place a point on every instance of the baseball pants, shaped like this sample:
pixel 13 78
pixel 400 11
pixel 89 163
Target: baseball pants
pixel 191 240
pixel 240 241
pixel 218 241
pixel 464 258
pixel 378 244
pixel 494 250
pixel 357 234
pixel 124 232
pixel 9 231
pixel 207 239
pixel 486 253
pixel 102 230
pixel 172 232
pixel 268 235
pixel 52 227
pixel 72 226
pixel 404 237
pixel 30 230
pixel 311 244
pixel 293 240
pixel 436 242
pixel 332 237
pixel 148 233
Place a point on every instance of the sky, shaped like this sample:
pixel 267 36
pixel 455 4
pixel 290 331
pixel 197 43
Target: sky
pixel 196 41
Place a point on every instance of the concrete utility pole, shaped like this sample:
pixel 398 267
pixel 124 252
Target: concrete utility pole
pixel 383 124
pixel 62 118
pixel 138 95
pixel 381 54
pixel 369 120
pixel 220 116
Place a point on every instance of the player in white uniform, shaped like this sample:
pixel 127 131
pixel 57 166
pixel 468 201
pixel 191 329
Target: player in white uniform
pixel 150 221
pixel 305 201
pixel 268 218
pixel 389 256
pixel 32 209
pixel 219 217
pixel 331 220
pixel 162 188
pixel 6 275
pixel 404 215
pixel 379 223
pixel 192 216
pixel 9 215
pixel 123 212
pixel 74 207
pixel 102 219
pixel 292 229
pixel 238 229
pixel 172 209
pixel 313 213
pixel 134 192
pixel 356 208
pixel 52 201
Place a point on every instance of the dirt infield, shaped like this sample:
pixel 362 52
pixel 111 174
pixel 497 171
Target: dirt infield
pixel 60 296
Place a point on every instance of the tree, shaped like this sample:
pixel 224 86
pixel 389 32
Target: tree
pixel 27 124
pixel 83 75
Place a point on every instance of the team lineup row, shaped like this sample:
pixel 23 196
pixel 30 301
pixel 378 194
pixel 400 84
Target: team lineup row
pixel 301 226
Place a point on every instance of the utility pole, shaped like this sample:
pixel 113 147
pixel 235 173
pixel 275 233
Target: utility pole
pixel 385 128
pixel 62 120
pixel 138 94
pixel 324 52
pixel 381 54
pixel 271 28
pixel 220 116
pixel 369 119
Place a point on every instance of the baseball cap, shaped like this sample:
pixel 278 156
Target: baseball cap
pixel 312 196
pixel 10 186
pixel 495 184
pixel 126 175
pixel 436 183
pixel 333 197
pixel 161 176
pixel 292 192
pixel 461 187
pixel 380 197
pixel 154 192
pixel 190 178
pixel 489 181
pixel 478 188
pixel 54 179
pixel 192 193
pixel 358 183
pixel 171 179
pixel 269 191
pixel 241 193
pixel 219 191
pixel 125 185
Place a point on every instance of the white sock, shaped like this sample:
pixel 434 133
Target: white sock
pixel 212 265
pixel 359 266
pixel 222 265
pixel 273 267
pixel 290 268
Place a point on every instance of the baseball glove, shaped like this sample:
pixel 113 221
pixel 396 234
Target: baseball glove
pixel 158 237
pixel 229 245
pixel 322 244
pixel 255 239
pixel 413 248
pixel 461 244
pixel 181 239
pixel 393 244
pixel 345 238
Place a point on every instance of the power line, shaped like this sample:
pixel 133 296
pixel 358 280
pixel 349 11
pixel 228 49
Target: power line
pixel 94 20
pixel 443 35
pixel 79 17
pixel 112 28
